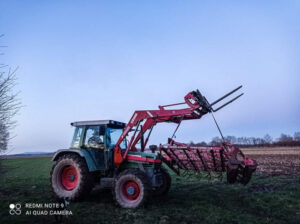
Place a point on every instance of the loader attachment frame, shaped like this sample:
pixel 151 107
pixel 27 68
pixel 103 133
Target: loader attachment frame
pixel 182 158
pixel 145 120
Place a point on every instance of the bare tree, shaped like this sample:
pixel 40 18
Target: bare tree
pixel 297 136
pixel 9 104
pixel 4 136
pixel 285 138
pixel 215 141
pixel 268 139
pixel 230 138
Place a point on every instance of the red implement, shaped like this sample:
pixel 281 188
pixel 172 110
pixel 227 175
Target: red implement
pixel 179 156
pixel 226 158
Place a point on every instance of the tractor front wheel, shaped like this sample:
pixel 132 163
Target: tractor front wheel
pixel 70 178
pixel 132 189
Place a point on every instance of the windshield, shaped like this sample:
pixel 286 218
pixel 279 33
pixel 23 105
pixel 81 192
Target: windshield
pixel 76 137
pixel 113 135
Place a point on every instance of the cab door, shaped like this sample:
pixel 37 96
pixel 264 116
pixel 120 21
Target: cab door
pixel 94 142
pixel 112 136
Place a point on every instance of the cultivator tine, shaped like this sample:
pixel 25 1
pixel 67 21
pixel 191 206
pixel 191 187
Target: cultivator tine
pixel 171 166
pixel 222 160
pixel 201 158
pixel 230 101
pixel 214 161
pixel 190 160
pixel 180 162
pixel 169 163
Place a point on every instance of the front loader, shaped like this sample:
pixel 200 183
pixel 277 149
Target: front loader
pixel 112 154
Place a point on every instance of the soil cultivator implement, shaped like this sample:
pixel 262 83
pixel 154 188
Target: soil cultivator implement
pixel 101 154
pixel 213 160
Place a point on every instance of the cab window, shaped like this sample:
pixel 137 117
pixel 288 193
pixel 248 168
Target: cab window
pixel 113 135
pixel 93 138
pixel 76 138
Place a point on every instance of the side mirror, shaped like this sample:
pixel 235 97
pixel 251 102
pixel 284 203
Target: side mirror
pixel 102 130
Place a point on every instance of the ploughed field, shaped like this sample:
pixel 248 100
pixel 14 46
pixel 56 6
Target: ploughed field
pixel 276 161
pixel 272 196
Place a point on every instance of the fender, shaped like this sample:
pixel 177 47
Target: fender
pixel 92 165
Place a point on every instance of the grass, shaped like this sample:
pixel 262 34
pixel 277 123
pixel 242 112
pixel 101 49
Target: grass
pixel 264 200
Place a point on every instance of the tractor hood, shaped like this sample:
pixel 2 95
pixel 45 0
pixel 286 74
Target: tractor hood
pixel 143 157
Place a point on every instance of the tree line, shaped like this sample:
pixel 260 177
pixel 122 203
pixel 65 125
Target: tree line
pixel 267 140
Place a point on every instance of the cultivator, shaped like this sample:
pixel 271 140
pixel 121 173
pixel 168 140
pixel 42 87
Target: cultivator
pixel 182 159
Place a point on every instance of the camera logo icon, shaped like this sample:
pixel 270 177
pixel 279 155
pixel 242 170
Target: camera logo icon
pixel 15 209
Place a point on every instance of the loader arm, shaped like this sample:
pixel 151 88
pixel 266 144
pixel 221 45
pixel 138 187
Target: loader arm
pixel 197 106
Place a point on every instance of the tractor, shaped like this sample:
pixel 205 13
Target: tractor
pixel 114 154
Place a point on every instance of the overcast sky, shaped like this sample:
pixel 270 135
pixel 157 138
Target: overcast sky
pixel 85 60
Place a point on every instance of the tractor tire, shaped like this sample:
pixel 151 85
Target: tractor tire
pixel 241 175
pixel 247 174
pixel 232 170
pixel 132 188
pixel 70 178
pixel 165 187
pixel 232 175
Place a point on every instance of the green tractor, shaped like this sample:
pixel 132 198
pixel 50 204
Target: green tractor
pixel 90 161
pixel 112 153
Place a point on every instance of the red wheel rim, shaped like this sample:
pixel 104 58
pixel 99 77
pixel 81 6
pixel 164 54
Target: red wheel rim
pixel 131 190
pixel 69 177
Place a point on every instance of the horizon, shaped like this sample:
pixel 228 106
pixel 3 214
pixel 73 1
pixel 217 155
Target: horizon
pixel 207 142
pixel 104 60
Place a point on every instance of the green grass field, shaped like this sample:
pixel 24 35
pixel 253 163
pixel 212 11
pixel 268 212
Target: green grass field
pixel 264 200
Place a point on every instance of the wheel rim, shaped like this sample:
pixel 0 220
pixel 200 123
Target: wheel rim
pixel 69 177
pixel 131 190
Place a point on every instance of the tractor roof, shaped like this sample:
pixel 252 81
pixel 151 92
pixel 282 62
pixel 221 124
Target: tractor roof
pixel 99 122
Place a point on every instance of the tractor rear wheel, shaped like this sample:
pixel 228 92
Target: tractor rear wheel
pixel 165 187
pixel 70 178
pixel 132 188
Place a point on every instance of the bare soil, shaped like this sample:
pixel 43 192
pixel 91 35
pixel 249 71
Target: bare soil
pixel 277 160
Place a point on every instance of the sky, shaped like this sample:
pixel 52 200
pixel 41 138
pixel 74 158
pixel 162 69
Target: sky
pixel 94 60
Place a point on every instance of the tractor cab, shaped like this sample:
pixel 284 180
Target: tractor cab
pixel 98 139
